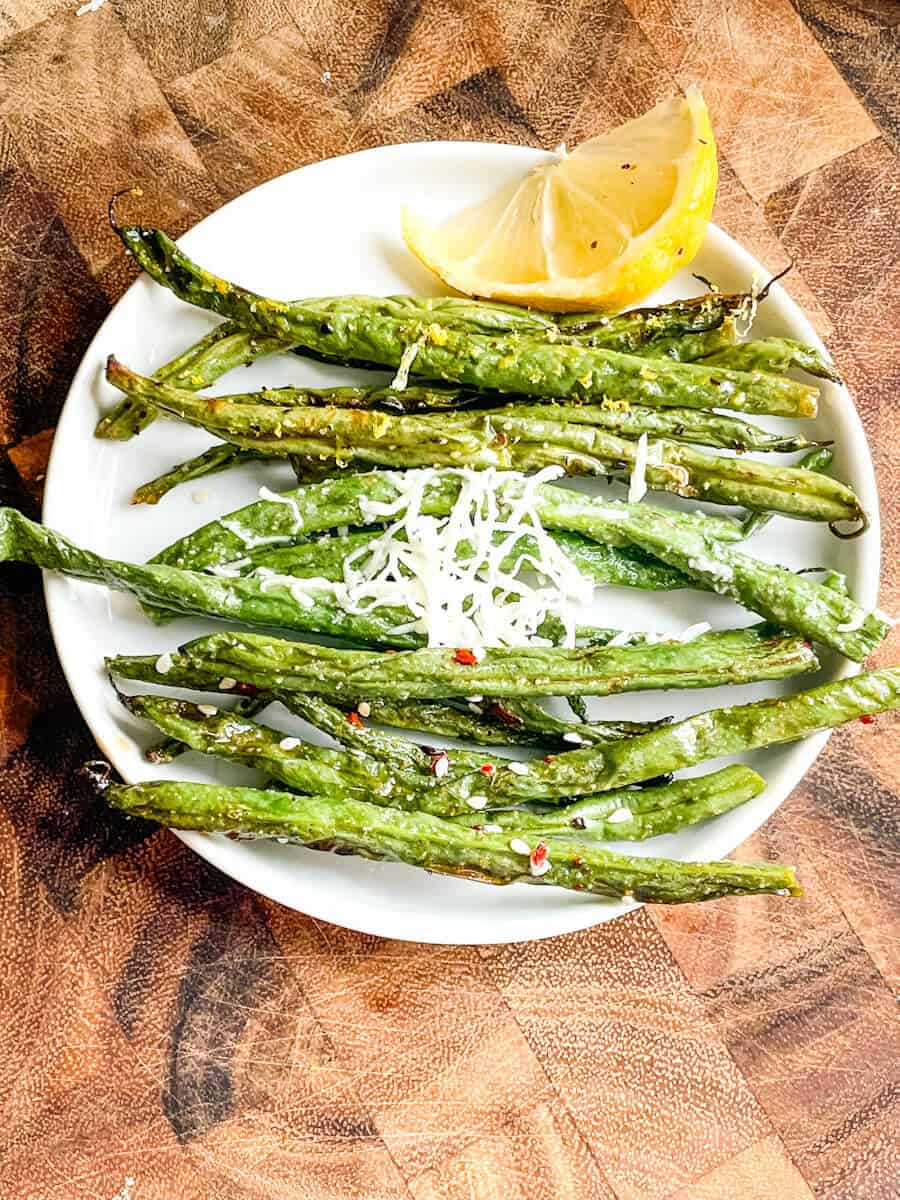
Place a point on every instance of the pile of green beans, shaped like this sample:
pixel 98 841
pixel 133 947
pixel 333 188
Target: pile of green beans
pixel 602 383
pixel 478 385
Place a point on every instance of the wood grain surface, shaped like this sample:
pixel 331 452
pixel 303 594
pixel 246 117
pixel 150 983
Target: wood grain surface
pixel 164 1032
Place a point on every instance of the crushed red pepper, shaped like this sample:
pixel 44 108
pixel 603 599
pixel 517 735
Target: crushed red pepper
pixel 504 715
pixel 440 762
pixel 465 657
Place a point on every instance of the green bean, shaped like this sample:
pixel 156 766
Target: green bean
pixel 218 458
pixel 730 656
pixel 223 348
pixel 302 766
pixel 171 748
pixel 504 362
pixel 266 601
pixel 692 425
pixel 632 814
pixel 161 587
pixel 679 317
pixel 485 439
pixel 774 354
pixel 488 723
pixel 704 736
pixel 790 600
pixel 819 460
pixel 437 845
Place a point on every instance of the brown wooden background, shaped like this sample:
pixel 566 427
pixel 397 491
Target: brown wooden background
pixel 159 1023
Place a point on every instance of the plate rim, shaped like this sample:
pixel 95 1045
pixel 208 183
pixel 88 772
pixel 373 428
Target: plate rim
pixel 220 852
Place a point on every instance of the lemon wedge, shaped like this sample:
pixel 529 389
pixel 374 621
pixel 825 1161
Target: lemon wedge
pixel 600 227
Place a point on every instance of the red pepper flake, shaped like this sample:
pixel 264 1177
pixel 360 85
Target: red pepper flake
pixel 466 657
pixel 247 689
pixel 487 768
pixel 440 763
pixel 504 715
pixel 867 719
pixel 549 758
pixel 577 860
pixel 355 719
pixel 577 887
pixel 538 854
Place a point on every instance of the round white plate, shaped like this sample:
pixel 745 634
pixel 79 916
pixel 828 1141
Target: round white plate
pixel 330 228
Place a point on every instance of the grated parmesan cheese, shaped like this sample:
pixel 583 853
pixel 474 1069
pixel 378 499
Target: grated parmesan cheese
pixel 450 572
pixel 694 631
pixel 290 502
pixel 229 570
pixel 637 487
pixel 856 622
pixel 407 358
pixel 252 540
pixel 746 314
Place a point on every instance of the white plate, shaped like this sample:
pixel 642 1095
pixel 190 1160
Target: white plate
pixel 330 228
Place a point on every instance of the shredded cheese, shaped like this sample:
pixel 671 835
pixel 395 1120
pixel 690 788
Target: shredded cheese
pixel 622 638
pixel 252 540
pixel 637 487
pixel 856 622
pixel 407 358
pixel 695 631
pixel 453 573
pixel 746 314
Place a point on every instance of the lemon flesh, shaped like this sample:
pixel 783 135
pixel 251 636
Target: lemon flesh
pixel 601 227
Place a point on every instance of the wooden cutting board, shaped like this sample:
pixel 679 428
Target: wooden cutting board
pixel 165 1033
